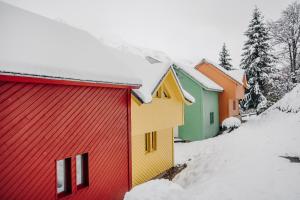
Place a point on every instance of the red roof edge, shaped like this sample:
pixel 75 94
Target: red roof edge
pixel 48 80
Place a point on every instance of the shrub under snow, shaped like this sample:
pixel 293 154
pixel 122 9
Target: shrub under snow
pixel 231 123
pixel 290 102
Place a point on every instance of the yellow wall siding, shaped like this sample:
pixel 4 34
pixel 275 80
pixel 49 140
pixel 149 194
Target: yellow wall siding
pixel 145 166
pixel 161 115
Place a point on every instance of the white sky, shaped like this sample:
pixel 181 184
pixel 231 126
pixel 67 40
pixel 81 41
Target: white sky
pixel 184 29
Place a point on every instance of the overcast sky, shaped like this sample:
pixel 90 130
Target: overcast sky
pixel 184 29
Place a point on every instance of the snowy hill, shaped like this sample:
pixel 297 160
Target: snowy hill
pixel 246 164
pixel 290 102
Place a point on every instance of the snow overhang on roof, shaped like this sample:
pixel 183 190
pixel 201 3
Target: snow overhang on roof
pixel 232 76
pixel 34 46
pixel 187 96
pixel 152 76
pixel 200 78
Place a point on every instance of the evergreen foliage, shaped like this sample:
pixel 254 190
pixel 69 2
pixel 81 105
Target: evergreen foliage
pixel 257 60
pixel 225 58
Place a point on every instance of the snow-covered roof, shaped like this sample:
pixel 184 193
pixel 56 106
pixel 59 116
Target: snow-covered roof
pixel 185 93
pixel 151 74
pixel 188 96
pixel 236 76
pixel 33 45
pixel 203 80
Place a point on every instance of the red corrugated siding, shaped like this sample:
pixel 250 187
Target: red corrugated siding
pixel 40 123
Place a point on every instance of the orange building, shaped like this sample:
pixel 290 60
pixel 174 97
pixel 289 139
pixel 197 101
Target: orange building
pixel 233 82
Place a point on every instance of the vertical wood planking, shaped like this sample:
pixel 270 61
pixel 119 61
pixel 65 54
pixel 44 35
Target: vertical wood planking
pixel 40 123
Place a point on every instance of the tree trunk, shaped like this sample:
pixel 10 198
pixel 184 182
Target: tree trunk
pixel 291 57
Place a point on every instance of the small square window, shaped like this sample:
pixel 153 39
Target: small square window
pixel 82 170
pixel 63 171
pixel 211 117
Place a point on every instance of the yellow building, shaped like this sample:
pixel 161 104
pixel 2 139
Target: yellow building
pixel 156 109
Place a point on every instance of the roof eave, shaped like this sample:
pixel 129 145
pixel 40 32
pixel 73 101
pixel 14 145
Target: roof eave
pixel 198 83
pixel 232 79
pixel 187 101
pixel 31 78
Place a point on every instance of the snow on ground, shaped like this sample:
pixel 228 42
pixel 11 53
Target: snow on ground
pixel 244 164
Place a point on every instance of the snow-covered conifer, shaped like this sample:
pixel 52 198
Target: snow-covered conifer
pixel 257 58
pixel 225 58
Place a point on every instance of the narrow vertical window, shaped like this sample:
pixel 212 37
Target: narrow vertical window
pixel 211 116
pixel 82 175
pixel 63 171
pixel 147 142
pixel 154 140
pixel 234 105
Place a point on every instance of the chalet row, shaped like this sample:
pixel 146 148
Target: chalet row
pixel 80 120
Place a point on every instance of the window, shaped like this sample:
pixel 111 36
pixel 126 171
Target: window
pixel 82 170
pixel 162 92
pixel 150 141
pixel 211 117
pixel 154 140
pixel 166 94
pixel 147 142
pixel 63 172
pixel 234 105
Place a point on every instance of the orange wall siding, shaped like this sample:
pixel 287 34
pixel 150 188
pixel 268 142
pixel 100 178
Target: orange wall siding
pixel 232 90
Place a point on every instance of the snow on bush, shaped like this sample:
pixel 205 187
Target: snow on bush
pixel 231 123
pixel 290 102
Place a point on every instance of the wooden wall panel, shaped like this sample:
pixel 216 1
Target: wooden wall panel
pixel 42 123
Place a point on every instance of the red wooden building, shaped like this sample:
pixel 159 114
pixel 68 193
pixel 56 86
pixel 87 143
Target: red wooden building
pixel 64 112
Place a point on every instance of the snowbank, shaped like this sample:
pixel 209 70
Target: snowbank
pixel 231 122
pixel 157 190
pixel 290 102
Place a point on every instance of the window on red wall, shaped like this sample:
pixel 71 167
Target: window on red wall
pixel 63 173
pixel 82 170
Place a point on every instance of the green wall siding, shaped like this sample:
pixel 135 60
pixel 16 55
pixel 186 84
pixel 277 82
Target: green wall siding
pixel 197 116
pixel 210 104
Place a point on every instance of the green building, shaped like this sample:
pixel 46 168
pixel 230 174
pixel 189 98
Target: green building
pixel 201 120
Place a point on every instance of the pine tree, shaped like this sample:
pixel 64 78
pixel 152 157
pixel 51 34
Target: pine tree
pixel 257 59
pixel 225 58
